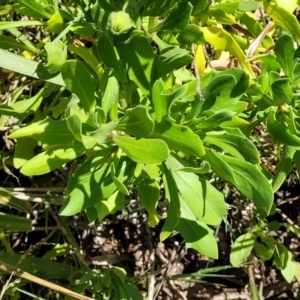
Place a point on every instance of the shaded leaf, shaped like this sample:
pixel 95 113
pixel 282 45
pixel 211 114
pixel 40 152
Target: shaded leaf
pixel 80 82
pixel 42 268
pixel 241 248
pixel 280 132
pixel 284 50
pixel 284 167
pixel 177 19
pixel 174 205
pixel 138 58
pixel 137 122
pixel 282 91
pixel 14 223
pixel 10 199
pixel 148 192
pixel 198 236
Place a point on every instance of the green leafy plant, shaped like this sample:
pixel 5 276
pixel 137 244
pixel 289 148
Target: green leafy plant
pixel 132 113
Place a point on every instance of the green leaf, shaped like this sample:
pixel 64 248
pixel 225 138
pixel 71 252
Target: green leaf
pixel 265 248
pixel 151 171
pixel 75 126
pixel 110 206
pixel 217 85
pixel 176 137
pixel 241 248
pixel 51 159
pixel 216 119
pixel 88 57
pixel 138 58
pixel 108 55
pixel 36 6
pixel 41 268
pixel 285 262
pixel 89 188
pixel 171 60
pixel 254 26
pixel 284 50
pixel 22 65
pixel 248 5
pixel 13 24
pixel 80 82
pixel 174 205
pixel 228 7
pixel 14 223
pixel 47 131
pixel 222 40
pixel 221 16
pixel 204 201
pixel 118 183
pixel 105 130
pixel 177 19
pixel 199 237
pixel 283 18
pixel 247 176
pixel 24 150
pixel 198 6
pixel 110 90
pixel 282 91
pixel 7 42
pixel 137 122
pixel 56 23
pixel 23 108
pixel 219 166
pixel 280 132
pixel 10 199
pixel 144 151
pixel 56 55
pixel 148 192
pixel 193 33
pixel 159 101
pixel 296 159
pixel 236 145
pixel 284 168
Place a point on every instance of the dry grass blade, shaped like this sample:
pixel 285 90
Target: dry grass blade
pixel 10 269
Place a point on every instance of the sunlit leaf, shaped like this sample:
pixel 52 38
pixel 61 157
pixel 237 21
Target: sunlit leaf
pixel 110 206
pixel 145 151
pixel 51 159
pixel 204 201
pixel 176 137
